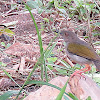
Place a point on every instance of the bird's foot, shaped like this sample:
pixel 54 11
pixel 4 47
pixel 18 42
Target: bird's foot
pixel 77 73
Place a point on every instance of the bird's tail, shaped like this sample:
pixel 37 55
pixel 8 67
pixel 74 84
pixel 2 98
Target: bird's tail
pixel 97 64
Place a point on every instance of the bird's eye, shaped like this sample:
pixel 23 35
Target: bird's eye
pixel 66 34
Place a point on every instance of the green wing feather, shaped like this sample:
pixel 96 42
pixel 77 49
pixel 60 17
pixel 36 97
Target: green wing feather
pixel 81 50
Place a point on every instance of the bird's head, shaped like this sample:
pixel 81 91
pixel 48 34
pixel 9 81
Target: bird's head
pixel 68 36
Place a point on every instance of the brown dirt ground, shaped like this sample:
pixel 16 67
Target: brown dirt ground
pixel 21 57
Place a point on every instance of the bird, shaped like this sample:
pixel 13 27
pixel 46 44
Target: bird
pixel 80 52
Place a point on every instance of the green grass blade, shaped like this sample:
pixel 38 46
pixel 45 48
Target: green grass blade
pixel 59 97
pixel 39 35
pixel 43 83
pixel 47 53
pixel 54 86
pixel 41 59
pixel 51 42
pixel 39 38
pixel 89 98
pixel 42 71
pixel 45 69
pixel 72 96
pixel 66 98
pixel 30 74
pixel 10 77
pixel 6 95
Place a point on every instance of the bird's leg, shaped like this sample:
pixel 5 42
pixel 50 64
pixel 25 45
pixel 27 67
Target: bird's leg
pixel 79 72
pixel 87 67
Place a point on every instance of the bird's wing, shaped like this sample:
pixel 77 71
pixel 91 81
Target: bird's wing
pixel 81 50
